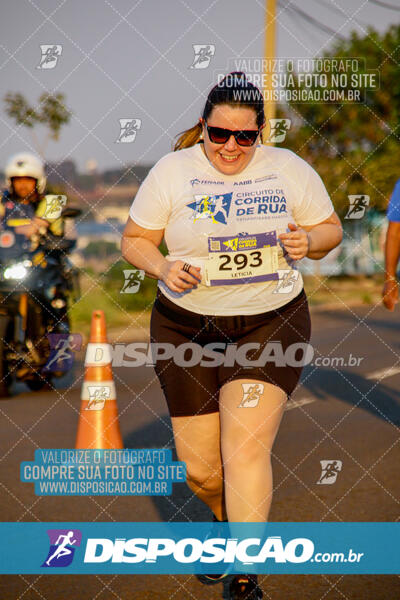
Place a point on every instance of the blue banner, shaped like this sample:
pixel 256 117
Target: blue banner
pixel 173 548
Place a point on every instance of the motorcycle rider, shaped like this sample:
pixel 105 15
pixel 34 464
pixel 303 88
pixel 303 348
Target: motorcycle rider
pixel 23 204
pixel 25 210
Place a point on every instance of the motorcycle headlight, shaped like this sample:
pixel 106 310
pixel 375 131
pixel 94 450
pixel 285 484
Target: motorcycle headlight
pixel 18 271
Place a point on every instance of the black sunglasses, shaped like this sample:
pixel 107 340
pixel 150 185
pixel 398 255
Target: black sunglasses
pixel 243 137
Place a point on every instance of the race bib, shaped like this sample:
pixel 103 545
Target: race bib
pixel 242 259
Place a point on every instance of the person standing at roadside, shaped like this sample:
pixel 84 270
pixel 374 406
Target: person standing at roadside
pixel 390 292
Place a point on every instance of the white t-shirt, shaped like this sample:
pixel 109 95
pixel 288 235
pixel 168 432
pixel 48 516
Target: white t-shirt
pixel 277 187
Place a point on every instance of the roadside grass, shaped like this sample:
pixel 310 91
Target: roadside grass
pixel 340 291
pixel 99 292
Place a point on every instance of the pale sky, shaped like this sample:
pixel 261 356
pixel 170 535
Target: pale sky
pixel 131 59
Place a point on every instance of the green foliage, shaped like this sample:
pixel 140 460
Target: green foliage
pixel 113 282
pixel 100 249
pixel 18 109
pixel 104 292
pixel 355 146
pixel 51 112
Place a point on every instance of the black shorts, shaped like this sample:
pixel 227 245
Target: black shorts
pixel 193 389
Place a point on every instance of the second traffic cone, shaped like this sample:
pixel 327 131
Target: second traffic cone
pixel 98 426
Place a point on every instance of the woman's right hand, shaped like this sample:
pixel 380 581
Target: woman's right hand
pixel 178 280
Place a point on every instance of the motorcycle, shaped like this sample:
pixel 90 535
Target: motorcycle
pixel 37 280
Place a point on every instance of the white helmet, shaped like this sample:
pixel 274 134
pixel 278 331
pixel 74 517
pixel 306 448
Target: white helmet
pixel 26 165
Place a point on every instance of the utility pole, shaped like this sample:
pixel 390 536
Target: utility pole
pixel 269 56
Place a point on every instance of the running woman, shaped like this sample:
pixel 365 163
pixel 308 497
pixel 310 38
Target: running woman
pixel 237 216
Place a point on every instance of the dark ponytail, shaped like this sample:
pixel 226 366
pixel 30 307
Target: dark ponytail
pixel 235 90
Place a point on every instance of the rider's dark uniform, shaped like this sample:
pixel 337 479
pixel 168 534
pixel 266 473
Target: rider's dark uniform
pixel 14 213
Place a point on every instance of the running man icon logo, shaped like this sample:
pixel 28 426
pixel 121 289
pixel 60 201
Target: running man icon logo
pixel 63 543
pixel 232 244
pixel 202 55
pixel 278 130
pixel 215 207
pixel 128 130
pixel 133 279
pixel 98 394
pixel 62 348
pixel 54 206
pixel 357 206
pixel 286 282
pixel 251 394
pixel 50 55
pixel 330 470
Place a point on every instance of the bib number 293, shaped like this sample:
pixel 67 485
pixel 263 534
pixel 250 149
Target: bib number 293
pixel 242 259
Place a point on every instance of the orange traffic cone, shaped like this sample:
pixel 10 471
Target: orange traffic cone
pixel 98 421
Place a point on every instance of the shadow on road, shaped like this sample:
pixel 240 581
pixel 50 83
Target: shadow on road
pixel 376 398
pixel 182 505
pixel 383 318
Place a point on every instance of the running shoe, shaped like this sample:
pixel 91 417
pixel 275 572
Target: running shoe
pixel 212 579
pixel 245 587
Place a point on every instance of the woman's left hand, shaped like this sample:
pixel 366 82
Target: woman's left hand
pixel 296 243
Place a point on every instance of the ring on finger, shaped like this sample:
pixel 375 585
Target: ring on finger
pixel 186 268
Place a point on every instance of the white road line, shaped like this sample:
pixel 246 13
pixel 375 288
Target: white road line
pixel 383 373
pixel 300 402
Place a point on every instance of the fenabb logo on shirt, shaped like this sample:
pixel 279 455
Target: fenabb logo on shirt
pixel 197 181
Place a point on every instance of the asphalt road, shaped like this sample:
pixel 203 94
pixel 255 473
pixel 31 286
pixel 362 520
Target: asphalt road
pixel 346 413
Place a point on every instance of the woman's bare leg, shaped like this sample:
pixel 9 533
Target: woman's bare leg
pixel 248 430
pixel 197 441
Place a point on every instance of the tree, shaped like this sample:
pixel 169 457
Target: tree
pixel 52 113
pixel 355 146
